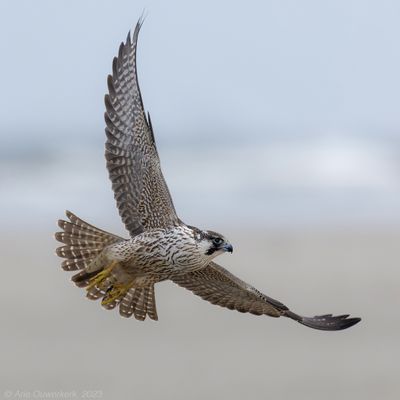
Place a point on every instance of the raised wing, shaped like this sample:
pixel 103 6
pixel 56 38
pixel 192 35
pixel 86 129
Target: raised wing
pixel 218 286
pixel 142 196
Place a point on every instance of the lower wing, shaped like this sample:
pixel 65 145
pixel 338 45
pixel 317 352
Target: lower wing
pixel 218 286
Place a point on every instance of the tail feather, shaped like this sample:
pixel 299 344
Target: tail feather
pixel 72 252
pixel 83 242
pixel 73 229
pixel 74 264
pixel 126 306
pixel 151 304
pixel 95 293
pixel 85 226
pixel 82 250
pixel 139 302
pixel 82 278
pixel 140 309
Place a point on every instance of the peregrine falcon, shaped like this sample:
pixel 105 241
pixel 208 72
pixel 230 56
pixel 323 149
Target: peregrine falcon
pixel 122 272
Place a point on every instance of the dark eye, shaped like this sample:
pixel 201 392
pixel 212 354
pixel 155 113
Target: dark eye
pixel 217 241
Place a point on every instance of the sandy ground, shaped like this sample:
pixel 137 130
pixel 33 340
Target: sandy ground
pixel 55 343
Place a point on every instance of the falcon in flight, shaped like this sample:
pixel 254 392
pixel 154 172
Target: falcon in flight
pixel 122 272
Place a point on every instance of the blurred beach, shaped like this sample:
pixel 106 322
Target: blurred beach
pixel 55 340
pixel 275 181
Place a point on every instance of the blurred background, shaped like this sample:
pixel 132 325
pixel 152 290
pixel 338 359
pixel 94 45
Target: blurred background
pixel 277 124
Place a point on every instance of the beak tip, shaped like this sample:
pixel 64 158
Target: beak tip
pixel 229 248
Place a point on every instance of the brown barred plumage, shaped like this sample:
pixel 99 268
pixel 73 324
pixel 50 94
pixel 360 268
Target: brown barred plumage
pixel 123 272
pixel 142 196
pixel 140 302
pixel 83 242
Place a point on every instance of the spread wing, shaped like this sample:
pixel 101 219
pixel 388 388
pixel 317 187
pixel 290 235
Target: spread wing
pixel 218 286
pixel 142 196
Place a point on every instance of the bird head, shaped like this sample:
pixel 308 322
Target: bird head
pixel 214 244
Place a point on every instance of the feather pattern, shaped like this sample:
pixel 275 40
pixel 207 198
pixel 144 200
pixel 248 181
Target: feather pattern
pixel 142 196
pixel 139 302
pixel 82 242
pixel 218 286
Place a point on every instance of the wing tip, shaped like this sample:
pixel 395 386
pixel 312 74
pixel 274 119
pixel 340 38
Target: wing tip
pixel 132 40
pixel 329 322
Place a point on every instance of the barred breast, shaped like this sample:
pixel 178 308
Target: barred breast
pixel 159 252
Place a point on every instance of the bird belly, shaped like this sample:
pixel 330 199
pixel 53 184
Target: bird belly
pixel 155 255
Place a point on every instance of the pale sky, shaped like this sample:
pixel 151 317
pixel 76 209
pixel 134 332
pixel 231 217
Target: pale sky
pixel 214 68
pixel 296 101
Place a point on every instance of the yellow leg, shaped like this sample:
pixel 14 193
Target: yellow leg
pixel 117 291
pixel 101 276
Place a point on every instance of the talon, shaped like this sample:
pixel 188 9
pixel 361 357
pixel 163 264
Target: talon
pixel 101 276
pixel 115 292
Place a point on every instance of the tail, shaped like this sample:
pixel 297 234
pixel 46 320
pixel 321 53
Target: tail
pixel 139 302
pixel 83 242
pixel 83 245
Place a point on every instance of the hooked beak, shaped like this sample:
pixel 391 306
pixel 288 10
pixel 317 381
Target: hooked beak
pixel 228 247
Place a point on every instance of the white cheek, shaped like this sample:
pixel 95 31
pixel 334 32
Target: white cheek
pixel 203 247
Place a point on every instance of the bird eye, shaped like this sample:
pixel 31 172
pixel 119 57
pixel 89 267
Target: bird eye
pixel 217 241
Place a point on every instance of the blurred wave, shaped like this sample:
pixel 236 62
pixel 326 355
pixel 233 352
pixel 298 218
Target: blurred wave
pixel 307 179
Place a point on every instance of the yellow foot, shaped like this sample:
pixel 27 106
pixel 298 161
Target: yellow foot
pixel 101 276
pixel 118 290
